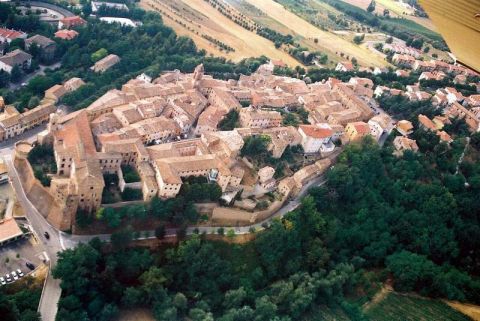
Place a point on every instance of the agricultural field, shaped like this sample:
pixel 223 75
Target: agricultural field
pixel 214 32
pixel 399 307
pixel 396 10
pixel 317 39
pixel 473 311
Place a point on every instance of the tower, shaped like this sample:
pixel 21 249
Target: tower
pixel 198 75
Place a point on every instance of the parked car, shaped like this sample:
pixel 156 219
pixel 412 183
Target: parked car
pixel 8 278
pixel 14 275
pixel 20 273
pixel 47 236
pixel 30 266
pixel 2 281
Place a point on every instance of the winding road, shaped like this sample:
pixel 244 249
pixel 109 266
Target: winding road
pixel 60 241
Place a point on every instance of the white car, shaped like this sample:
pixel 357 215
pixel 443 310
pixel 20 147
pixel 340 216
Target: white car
pixel 2 281
pixel 14 274
pixel 20 273
pixel 8 278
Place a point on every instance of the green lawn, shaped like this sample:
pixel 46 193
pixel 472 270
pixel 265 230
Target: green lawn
pixel 397 307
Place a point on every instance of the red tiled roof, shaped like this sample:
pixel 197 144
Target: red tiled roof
pixel 10 34
pixel 316 132
pixel 66 34
pixel 9 229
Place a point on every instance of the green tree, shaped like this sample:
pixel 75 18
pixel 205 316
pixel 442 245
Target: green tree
pixel 16 74
pixel 99 54
pixel 371 6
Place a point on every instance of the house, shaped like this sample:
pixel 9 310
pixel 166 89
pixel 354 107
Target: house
pixel 363 82
pixel 73 84
pixel 403 60
pixel 344 66
pixel 104 64
pixel 47 46
pixel 9 231
pixel 316 138
pixel 66 34
pixel 404 127
pixel 356 131
pixel 457 110
pixel 440 98
pixel 440 121
pixel 96 5
pixel 460 80
pixel 402 73
pixel 71 22
pixel 379 125
pixel 444 137
pixel 8 35
pixel 386 91
pixel 423 66
pixel 402 50
pixel 453 95
pixel 435 75
pixel 256 118
pixel 426 123
pixel 55 92
pixel 473 101
pixel 15 58
pixel 402 144
pixel 265 177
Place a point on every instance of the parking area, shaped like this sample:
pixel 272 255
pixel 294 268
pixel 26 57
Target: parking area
pixel 15 255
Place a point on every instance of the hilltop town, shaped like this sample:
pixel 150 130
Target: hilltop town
pixel 167 129
pixel 246 159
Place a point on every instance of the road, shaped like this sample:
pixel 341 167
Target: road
pixel 52 291
pixel 60 241
pixel 73 240
pixel 39 72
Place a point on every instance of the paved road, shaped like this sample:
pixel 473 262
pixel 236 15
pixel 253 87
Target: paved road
pixel 50 6
pixel 52 291
pixel 60 241
pixel 6 147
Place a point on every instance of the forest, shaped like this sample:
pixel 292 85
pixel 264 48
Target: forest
pixel 411 220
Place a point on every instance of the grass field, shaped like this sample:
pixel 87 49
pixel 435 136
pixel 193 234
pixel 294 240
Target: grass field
pixel 194 18
pixel 328 42
pixel 397 307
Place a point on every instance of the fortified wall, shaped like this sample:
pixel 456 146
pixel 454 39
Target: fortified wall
pixel 36 193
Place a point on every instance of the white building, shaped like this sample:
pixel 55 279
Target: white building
pixel 316 138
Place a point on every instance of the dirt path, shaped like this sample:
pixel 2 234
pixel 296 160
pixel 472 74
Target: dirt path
pixel 473 311
pixel 378 297
pixel 197 17
pixel 327 41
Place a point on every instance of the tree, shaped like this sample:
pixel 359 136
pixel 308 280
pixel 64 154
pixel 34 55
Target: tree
pixel 112 217
pixel 122 239
pixel 358 39
pixel 371 6
pixel 4 78
pixel 16 74
pixel 180 302
pixel 230 121
pixel 160 232
pixel 99 54
pixel 33 102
